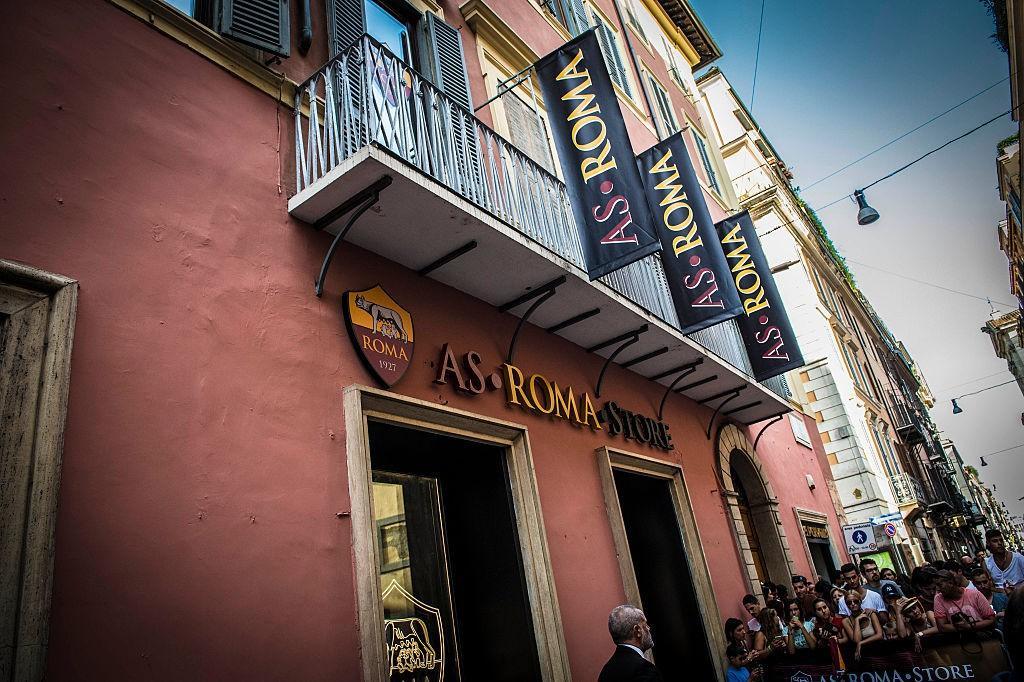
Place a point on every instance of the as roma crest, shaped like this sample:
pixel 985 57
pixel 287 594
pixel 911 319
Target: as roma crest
pixel 381 331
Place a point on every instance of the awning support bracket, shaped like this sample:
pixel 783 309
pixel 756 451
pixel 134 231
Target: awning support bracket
pixel 711 422
pixel 775 419
pixel 575 319
pixel 539 295
pixel 361 203
pixel 625 341
pixel 448 258
pixel 687 370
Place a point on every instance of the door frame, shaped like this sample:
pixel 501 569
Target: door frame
pixel 611 459
pixel 363 404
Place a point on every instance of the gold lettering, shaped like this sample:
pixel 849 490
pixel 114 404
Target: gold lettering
pixel 402 355
pixel 743 261
pixel 598 138
pixel 585 106
pixel 734 236
pixel 366 342
pixel 758 302
pixel 565 407
pixel 746 275
pixel 550 401
pixel 595 165
pixel 514 386
pixel 589 413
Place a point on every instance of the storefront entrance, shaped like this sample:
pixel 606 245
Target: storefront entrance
pixel 663 576
pixel 451 575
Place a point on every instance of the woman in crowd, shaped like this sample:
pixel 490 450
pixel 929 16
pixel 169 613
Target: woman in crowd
pixel 861 627
pixel 824 627
pixel 772 635
pixel 799 631
pixel 835 596
pixel 736 633
pixel 913 621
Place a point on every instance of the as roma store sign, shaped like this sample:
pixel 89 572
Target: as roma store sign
pixel 537 394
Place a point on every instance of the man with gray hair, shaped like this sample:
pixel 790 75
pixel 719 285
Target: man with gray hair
pixel 632 636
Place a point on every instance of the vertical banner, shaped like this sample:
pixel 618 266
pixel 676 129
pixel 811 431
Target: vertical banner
pixel 764 325
pixel 601 177
pixel 698 274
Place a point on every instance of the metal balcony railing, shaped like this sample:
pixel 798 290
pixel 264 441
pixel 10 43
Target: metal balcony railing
pixel 368 96
pixel 907 489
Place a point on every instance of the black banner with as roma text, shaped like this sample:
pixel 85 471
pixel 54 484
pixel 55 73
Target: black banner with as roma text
pixel 695 267
pixel 601 177
pixel 764 325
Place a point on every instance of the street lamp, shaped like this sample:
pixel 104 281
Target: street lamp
pixel 866 215
pixel 956 408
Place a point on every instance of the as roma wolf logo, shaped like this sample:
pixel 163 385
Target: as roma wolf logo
pixel 381 331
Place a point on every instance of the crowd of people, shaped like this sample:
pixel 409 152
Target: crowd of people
pixel 865 615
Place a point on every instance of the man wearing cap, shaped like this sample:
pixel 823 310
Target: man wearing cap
pixel 958 609
pixel 873 578
pixel 799 586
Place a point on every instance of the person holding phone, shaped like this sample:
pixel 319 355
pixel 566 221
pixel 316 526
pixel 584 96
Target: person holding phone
pixel 799 632
pixel 772 635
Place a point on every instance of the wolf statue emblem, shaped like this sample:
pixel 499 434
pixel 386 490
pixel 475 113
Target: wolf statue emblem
pixel 381 331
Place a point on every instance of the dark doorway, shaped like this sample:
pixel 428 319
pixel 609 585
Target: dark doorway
pixel 747 519
pixel 821 555
pixel 663 577
pixel 449 544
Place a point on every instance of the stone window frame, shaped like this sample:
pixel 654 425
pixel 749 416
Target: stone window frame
pixel 35 371
pixel 609 459
pixel 731 439
pixel 363 404
pixel 818 518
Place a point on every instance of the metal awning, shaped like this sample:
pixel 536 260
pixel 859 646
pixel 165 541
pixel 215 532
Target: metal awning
pixel 418 221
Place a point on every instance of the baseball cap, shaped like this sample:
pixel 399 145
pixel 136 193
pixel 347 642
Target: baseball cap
pixel 890 591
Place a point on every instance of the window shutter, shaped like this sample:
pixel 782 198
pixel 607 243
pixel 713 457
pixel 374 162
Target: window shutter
pixel 526 131
pixel 346 22
pixel 577 16
pixel 448 62
pixel 261 23
pixel 612 57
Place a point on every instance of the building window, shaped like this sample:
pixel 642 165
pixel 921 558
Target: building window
pixel 662 104
pixel 570 13
pixel 799 430
pixel 705 159
pixel 525 124
pixel 612 51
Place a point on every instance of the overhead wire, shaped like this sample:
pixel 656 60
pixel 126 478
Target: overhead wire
pixel 757 56
pixel 909 132
pixel 930 284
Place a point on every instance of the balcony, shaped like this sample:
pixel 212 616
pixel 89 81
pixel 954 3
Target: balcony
pixel 454 181
pixel 907 489
pixel 907 421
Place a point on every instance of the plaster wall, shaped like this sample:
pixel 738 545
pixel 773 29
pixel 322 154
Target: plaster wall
pixel 204 463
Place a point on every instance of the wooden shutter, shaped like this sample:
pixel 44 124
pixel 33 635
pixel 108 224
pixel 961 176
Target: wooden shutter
pixel 346 22
pixel 448 63
pixel 612 56
pixel 261 23
pixel 526 131
pixel 577 17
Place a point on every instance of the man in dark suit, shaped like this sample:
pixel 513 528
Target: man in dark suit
pixel 632 636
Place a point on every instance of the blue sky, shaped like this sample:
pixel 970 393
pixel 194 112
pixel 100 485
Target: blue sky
pixel 835 80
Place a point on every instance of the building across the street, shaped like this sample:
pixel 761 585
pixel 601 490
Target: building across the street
pixel 448 459
pixel 869 399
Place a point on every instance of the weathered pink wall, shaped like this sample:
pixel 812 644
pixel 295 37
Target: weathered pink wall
pixel 204 460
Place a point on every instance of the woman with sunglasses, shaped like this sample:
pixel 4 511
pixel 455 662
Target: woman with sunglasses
pixel 861 627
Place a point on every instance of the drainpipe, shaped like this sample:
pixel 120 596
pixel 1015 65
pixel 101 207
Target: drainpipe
pixel 636 67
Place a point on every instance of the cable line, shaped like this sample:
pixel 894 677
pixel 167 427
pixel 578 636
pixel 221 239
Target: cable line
pixel 928 284
pixel 757 56
pixel 909 132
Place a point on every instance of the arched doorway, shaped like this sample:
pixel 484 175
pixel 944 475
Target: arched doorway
pixel 753 508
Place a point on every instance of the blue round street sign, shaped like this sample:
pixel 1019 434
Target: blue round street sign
pixel 860 537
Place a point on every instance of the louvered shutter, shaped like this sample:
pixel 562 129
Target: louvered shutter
pixel 346 22
pixel 577 16
pixel 260 23
pixel 612 57
pixel 448 63
pixel 526 131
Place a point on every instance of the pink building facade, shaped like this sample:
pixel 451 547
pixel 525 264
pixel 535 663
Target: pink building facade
pixel 238 495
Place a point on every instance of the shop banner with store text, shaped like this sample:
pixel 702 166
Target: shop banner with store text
pixel 698 275
pixel 764 325
pixel 601 177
